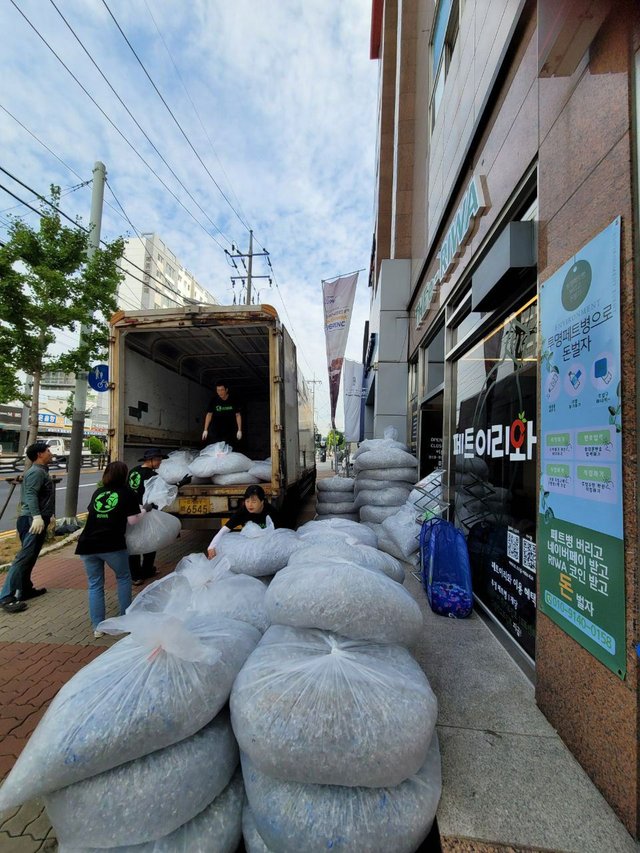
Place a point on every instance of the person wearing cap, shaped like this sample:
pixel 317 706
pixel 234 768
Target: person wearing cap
pixel 36 509
pixel 138 478
pixel 223 420
pixel 256 508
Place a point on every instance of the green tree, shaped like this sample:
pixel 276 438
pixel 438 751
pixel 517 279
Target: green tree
pixel 335 438
pixel 49 286
pixel 95 445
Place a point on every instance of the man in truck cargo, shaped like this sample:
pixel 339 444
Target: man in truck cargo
pixel 223 421
pixel 137 480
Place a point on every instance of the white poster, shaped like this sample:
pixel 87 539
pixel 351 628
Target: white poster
pixel 352 390
pixel 337 298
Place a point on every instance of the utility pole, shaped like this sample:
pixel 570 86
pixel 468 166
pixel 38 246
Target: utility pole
pixel 80 394
pixel 314 382
pixel 24 418
pixel 249 277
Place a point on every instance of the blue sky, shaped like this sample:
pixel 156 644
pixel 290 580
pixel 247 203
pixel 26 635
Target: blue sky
pixel 286 100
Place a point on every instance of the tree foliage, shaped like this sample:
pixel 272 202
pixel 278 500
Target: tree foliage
pixel 335 438
pixel 48 286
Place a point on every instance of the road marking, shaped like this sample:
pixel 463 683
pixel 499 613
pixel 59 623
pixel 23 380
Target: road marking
pixel 81 486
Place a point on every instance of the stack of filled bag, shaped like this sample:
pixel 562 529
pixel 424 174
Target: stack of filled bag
pixel 136 749
pixel 399 534
pixel 222 465
pixel 334 717
pixel 336 498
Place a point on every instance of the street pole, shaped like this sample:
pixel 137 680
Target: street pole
pixel 80 394
pixel 24 419
pixel 250 268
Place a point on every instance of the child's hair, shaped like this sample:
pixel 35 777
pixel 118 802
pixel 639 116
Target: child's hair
pixel 258 491
pixel 115 474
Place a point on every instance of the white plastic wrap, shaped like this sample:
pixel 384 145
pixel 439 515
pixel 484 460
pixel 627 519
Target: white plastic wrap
pixel 352 551
pixel 155 530
pixel 217 829
pixel 315 818
pixel 159 492
pixel 392 457
pixel 203 572
pixel 150 797
pixel 403 529
pixel 258 551
pixel 392 496
pixel 239 479
pixel 343 508
pixel 219 459
pixel 262 470
pixel 350 600
pixel 159 685
pixel 335 484
pixel 176 467
pixel 334 529
pixel 377 514
pixel 310 706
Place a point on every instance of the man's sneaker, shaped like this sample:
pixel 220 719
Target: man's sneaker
pixel 98 634
pixel 33 593
pixel 13 606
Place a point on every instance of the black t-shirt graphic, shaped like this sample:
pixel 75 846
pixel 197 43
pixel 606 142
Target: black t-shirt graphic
pixel 106 524
pixel 223 426
pixel 138 477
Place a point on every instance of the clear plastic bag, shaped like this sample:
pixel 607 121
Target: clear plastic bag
pixel 176 467
pixel 343 508
pixel 159 685
pixel 392 496
pixel 333 529
pixel 262 470
pixel 253 841
pixel 310 706
pixel 377 820
pixel 155 530
pixel 348 599
pixel 203 572
pixel 352 551
pixel 403 529
pixel 240 478
pixel 219 459
pixel 335 484
pixel 405 475
pixel 258 551
pixel 334 497
pixel 377 514
pixel 217 829
pixel 364 484
pixel 385 457
pixel 157 491
pixel 129 804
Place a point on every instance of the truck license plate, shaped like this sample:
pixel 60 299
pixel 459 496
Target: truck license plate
pixel 195 506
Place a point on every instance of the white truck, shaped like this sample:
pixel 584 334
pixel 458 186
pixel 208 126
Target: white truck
pixel 164 365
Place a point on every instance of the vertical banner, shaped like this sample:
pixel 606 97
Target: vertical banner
pixel 337 300
pixel 580 521
pixel 352 391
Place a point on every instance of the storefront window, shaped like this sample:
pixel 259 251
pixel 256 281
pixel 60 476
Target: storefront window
pixel 494 450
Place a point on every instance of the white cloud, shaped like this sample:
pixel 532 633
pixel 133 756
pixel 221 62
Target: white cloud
pixel 288 96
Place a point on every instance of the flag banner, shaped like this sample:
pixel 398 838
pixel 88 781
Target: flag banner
pixel 337 300
pixel 352 391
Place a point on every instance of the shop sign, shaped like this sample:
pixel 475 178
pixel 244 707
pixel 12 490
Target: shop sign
pixel 471 205
pixel 515 440
pixel 580 521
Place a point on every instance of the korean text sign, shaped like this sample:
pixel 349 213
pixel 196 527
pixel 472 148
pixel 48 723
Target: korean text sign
pixel 580 521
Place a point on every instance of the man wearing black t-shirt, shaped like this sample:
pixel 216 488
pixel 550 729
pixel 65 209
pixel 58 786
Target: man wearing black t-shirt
pixel 136 481
pixel 223 421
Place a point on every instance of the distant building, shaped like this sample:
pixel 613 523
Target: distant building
pixel 155 278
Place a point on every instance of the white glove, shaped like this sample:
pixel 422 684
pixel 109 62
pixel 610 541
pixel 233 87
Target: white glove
pixel 239 434
pixel 37 525
pixel 205 433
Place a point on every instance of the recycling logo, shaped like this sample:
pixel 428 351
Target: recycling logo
pixel 105 502
pixel 134 480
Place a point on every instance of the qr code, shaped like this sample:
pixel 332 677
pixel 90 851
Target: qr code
pixel 513 546
pixel 529 554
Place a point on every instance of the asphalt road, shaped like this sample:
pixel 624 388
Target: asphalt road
pixel 88 481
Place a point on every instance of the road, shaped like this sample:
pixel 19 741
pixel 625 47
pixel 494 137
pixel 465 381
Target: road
pixel 88 481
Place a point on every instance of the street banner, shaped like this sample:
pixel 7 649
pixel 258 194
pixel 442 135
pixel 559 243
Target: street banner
pixel 337 300
pixel 352 391
pixel 580 521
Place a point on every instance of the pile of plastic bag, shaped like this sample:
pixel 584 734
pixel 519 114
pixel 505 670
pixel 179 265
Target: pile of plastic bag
pixel 385 474
pixel 142 726
pixel 258 551
pixel 336 498
pixel 399 533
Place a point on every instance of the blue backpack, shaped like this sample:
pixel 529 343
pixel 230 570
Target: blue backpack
pixel 445 568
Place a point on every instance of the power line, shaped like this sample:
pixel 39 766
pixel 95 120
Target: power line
pixel 170 111
pixel 121 134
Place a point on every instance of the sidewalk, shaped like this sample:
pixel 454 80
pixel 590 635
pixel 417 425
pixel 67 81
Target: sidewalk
pixel 509 783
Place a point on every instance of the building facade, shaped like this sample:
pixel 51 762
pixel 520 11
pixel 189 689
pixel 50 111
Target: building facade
pixel 154 277
pixel 503 304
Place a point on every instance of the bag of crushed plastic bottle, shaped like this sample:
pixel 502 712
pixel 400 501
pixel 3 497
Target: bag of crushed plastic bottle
pixel 219 458
pixel 217 829
pixel 333 529
pixel 385 457
pixel 392 496
pixel 348 599
pixel 335 484
pixel 253 841
pixel 403 529
pixel 290 816
pixel 352 551
pixel 159 685
pixel 258 551
pixel 155 530
pixel 240 478
pixel 310 706
pixel 176 467
pixel 262 470
pixel 202 572
pixel 130 803
pixel 376 514
pixel 157 491
pixel 333 509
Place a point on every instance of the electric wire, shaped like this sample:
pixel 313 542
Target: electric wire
pixel 119 132
pixel 171 113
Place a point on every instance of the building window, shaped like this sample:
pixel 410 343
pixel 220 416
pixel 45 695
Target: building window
pixel 443 40
pixel 168 270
